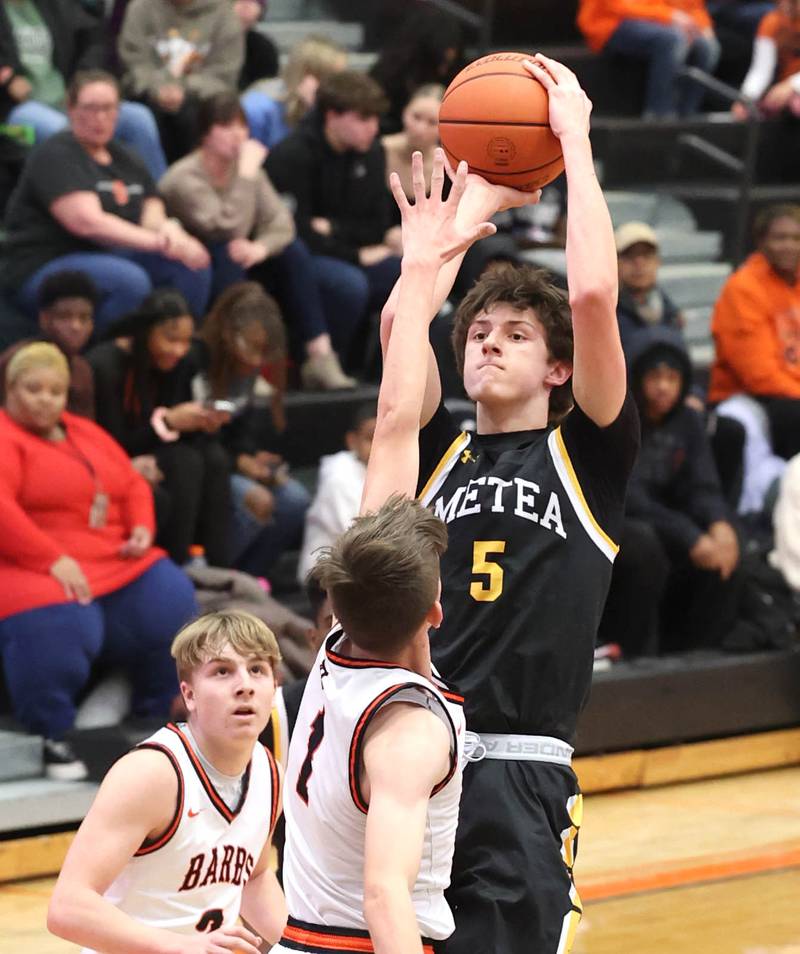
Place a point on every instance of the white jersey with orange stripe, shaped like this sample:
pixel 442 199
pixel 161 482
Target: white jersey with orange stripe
pixel 191 878
pixel 325 809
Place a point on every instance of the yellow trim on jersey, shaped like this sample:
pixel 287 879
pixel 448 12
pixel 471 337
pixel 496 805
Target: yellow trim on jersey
pixel 275 719
pixel 448 457
pixel 572 485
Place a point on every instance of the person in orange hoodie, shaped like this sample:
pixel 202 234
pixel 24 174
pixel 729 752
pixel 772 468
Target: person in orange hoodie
pixel 756 327
pixel 669 34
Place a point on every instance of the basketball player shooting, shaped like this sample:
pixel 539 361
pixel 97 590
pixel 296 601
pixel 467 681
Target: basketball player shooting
pixel 374 776
pixel 177 841
pixel 533 504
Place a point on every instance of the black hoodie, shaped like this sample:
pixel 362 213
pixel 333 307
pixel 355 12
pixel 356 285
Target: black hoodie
pixel 349 189
pixel 674 485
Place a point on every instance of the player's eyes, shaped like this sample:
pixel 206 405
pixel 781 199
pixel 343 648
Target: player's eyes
pixel 221 671
pixel 478 335
pixel 517 336
pixel 257 668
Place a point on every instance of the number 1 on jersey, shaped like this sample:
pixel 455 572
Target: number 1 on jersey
pixel 487 591
pixel 314 739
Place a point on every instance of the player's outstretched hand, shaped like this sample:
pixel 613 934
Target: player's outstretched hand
pixel 570 107
pixel 487 198
pixel 223 941
pixel 430 230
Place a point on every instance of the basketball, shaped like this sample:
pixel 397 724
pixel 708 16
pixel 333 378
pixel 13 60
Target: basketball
pixel 494 116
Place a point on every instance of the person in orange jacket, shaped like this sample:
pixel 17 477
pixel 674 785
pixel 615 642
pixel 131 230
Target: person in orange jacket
pixel 756 327
pixel 669 34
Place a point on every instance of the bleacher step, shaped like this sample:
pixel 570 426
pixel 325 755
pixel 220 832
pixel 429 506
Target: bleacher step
pixel 20 756
pixel 285 33
pixel 41 803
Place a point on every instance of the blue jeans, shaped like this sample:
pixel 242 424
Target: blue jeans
pixel 668 51
pixel 124 279
pixel 316 295
pixel 48 652
pixel 136 127
pixel 257 546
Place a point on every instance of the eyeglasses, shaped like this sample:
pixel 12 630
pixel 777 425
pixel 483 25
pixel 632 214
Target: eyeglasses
pixel 97 109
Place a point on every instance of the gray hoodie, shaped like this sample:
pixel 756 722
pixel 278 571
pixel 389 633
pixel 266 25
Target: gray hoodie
pixel 197 44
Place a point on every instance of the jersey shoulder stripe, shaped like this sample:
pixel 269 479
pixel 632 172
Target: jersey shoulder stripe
pixel 569 480
pixel 357 742
pixel 443 468
pixel 148 847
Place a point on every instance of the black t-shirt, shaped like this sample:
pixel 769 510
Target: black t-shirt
pixel 57 167
pixel 532 518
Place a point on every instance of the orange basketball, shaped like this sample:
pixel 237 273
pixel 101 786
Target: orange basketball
pixel 494 115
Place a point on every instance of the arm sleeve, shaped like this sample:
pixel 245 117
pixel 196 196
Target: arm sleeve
pixel 220 69
pixel 603 458
pixel 434 440
pixel 274 224
pixel 746 340
pixel 673 526
pixel 21 540
pixel 109 388
pixel 706 503
pixel 54 172
pixel 291 168
pixel 143 72
pixel 762 68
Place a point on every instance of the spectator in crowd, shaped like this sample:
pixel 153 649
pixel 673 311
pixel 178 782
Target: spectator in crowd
pixel 743 16
pixel 85 202
pixel 66 319
pixel 669 34
pixel 773 80
pixel 339 488
pixel 225 199
pixel 242 332
pixel 44 43
pixel 427 48
pixel 420 133
pixel 673 584
pixel 261 59
pixel 642 302
pixel 309 62
pixel 144 400
pixel 80 576
pixel 334 169
pixel 756 327
pixel 174 53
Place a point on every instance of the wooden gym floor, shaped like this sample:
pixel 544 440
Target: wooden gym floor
pixel 711 866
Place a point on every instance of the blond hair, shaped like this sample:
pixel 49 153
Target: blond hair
pixel 206 637
pixel 382 574
pixel 39 354
pixel 313 55
pixel 428 91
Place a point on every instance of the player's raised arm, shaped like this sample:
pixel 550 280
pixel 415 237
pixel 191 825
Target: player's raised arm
pixel 432 236
pixel 599 365
pixel 124 815
pixel 481 200
pixel 399 775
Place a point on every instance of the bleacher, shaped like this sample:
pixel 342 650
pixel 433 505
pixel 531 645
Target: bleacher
pixel 653 174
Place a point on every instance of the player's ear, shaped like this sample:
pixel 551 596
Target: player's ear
pixel 187 691
pixel 435 615
pixel 560 372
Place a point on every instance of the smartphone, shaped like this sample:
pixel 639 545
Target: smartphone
pixel 220 405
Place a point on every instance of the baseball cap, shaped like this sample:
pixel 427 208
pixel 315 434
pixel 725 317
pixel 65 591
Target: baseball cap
pixel 631 233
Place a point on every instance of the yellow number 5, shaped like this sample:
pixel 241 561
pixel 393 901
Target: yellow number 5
pixel 478 590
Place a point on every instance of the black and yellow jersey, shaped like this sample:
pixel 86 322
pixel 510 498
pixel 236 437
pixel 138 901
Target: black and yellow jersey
pixel 532 519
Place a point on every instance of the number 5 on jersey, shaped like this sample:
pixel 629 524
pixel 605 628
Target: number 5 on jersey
pixel 314 739
pixel 487 591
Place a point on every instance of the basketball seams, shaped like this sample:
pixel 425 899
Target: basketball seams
pixel 491 122
pixel 521 172
pixel 469 79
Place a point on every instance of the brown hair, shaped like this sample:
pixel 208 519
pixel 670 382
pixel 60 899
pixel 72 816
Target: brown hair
pixel 524 288
pixel 315 56
pixel 84 78
pixel 350 90
pixel 765 218
pixel 221 109
pixel 206 637
pixel 238 307
pixel 382 574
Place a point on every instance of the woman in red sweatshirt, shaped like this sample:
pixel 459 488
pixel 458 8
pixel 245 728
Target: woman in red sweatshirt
pixel 79 577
